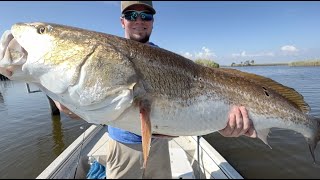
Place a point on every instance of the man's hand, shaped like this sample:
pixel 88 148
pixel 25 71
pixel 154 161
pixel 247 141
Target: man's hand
pixel 238 124
pixel 65 110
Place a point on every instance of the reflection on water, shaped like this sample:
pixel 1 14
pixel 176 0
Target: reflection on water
pixel 6 84
pixel 57 135
pixel 30 137
pixel 1 98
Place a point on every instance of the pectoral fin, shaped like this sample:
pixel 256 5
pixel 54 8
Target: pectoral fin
pixel 145 130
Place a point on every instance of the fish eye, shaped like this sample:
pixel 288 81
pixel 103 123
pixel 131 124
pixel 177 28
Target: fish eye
pixel 41 29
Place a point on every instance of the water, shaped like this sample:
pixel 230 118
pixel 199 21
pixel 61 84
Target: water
pixel 289 157
pixel 31 139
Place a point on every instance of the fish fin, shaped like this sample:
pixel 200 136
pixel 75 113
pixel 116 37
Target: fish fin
pixel 312 147
pixel 123 99
pixel 288 93
pixel 145 130
pixel 313 142
pixel 263 135
pixel 131 86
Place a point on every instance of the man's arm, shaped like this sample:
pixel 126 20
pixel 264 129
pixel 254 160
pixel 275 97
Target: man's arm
pixel 65 110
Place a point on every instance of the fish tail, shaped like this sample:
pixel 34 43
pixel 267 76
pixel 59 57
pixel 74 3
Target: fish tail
pixel 313 142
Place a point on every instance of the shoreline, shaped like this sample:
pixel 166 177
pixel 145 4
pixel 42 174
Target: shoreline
pixel 271 64
pixel 292 64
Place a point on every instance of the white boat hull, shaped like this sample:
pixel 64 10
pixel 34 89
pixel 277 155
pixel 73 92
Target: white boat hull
pixel 70 164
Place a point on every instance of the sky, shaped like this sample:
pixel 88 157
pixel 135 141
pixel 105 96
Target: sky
pixel 223 31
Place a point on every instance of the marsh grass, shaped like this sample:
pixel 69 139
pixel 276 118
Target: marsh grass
pixel 305 63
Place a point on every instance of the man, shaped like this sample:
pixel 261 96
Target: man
pixel 124 157
pixel 137 21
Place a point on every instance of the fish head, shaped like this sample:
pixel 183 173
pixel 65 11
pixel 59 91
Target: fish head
pixel 78 67
pixel 36 38
pixel 55 53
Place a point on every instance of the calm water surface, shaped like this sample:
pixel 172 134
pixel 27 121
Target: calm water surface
pixel 289 156
pixel 31 139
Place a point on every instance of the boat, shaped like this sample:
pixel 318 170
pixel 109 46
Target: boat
pixel 191 157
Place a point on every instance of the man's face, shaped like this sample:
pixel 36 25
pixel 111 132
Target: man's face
pixel 138 30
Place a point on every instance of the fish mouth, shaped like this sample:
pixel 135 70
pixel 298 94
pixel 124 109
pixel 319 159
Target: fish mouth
pixel 13 54
pixel 16 28
pixel 20 32
pixel 23 34
pixel 5 40
pixel 18 53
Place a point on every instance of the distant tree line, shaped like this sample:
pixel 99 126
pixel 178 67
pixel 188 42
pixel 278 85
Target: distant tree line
pixel 296 63
pixel 246 63
pixel 207 62
pixel 305 63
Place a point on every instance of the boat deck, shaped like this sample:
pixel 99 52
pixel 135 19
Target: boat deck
pixel 75 161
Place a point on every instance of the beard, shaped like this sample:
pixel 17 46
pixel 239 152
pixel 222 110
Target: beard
pixel 142 39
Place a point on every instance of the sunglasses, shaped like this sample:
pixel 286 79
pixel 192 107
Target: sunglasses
pixel 133 15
